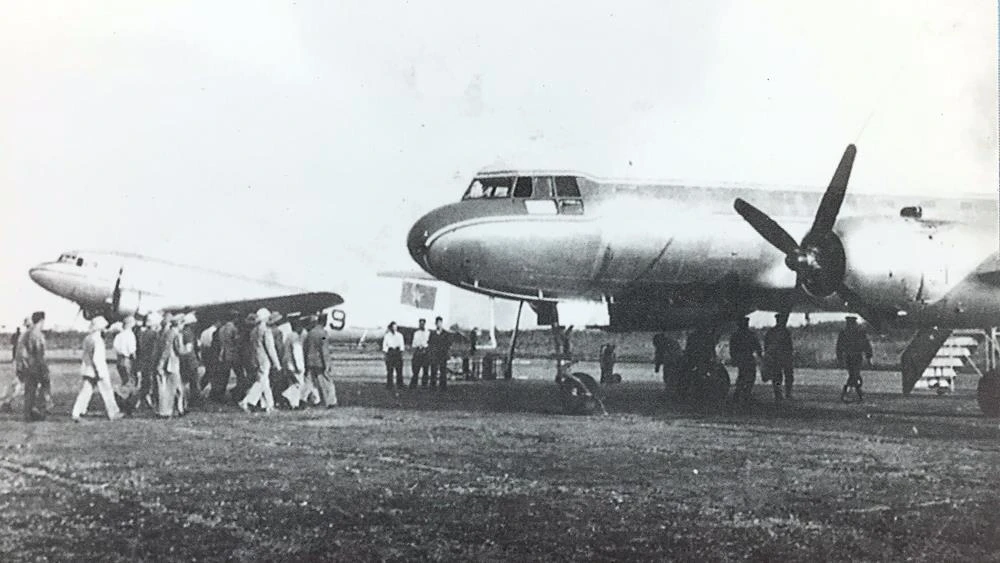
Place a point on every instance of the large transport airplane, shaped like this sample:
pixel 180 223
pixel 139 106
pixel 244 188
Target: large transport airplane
pixel 116 284
pixel 661 256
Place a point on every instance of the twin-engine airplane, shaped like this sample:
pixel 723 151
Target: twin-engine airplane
pixel 661 257
pixel 116 284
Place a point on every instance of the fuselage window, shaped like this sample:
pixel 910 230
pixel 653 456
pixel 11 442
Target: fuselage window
pixel 523 187
pixel 489 188
pixel 566 187
pixel 543 187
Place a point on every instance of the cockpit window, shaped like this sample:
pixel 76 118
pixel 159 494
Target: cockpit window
pixel 543 186
pixel 495 187
pixel 566 187
pixel 523 187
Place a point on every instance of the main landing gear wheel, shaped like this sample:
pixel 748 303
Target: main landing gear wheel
pixel 579 393
pixel 988 394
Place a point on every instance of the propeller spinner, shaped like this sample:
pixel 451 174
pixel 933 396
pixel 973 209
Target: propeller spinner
pixel 819 260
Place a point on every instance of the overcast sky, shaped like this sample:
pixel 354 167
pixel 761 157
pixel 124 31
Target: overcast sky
pixel 299 140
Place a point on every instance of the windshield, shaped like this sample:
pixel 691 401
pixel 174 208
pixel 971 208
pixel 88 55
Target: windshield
pixel 494 187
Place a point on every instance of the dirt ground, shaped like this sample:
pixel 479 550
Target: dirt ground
pixel 495 471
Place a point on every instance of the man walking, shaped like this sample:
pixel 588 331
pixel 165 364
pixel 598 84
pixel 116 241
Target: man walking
pixel 125 347
pixel 94 369
pixel 853 348
pixel 778 356
pixel 265 356
pixel 318 367
pixel 744 351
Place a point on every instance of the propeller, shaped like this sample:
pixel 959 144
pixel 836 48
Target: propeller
pixel 818 261
pixel 116 293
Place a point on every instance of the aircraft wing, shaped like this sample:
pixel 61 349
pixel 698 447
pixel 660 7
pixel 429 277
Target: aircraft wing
pixel 288 305
pixel 408 275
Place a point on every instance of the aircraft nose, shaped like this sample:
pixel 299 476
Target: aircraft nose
pixel 43 276
pixel 424 241
pixel 416 241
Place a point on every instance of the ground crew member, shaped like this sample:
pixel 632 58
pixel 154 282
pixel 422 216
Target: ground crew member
pixel 36 371
pixel 778 356
pixel 420 363
pixel 744 351
pixel 265 356
pixel 853 348
pixel 392 347
pixel 608 358
pixel 16 388
pixel 318 366
pixel 169 385
pixel 125 348
pixel 439 350
pixel 227 344
pixel 94 369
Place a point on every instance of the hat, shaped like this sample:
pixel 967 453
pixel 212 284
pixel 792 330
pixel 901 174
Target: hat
pixel 98 323
pixel 190 318
pixel 154 318
pixel 177 319
pixel 263 314
pixel 128 321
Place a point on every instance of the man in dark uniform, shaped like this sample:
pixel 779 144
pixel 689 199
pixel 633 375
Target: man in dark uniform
pixel 36 371
pixel 439 350
pixel 226 344
pixel 853 348
pixel 744 351
pixel 778 356
pixel 699 355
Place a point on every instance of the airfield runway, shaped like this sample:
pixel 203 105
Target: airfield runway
pixel 493 470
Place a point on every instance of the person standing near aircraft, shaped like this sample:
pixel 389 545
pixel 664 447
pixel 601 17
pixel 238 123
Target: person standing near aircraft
pixel 227 344
pixel 208 351
pixel 392 347
pixel 778 356
pixel 318 366
pixel 13 343
pixel 420 362
pixel 170 393
pixel 439 349
pixel 147 356
pixel 94 369
pixel 853 348
pixel 264 358
pixel 744 351
pixel 295 368
pixel 125 348
pixel 16 388
pixel 36 371
pixel 190 364
pixel 699 357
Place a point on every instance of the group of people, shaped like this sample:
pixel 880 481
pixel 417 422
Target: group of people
pixel 775 358
pixel 429 363
pixel 164 365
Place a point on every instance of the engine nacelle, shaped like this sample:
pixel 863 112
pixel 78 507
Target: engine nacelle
pixel 129 303
pixel 900 263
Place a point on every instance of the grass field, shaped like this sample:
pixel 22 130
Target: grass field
pixel 494 471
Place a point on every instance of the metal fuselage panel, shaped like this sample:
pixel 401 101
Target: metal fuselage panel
pixel 636 236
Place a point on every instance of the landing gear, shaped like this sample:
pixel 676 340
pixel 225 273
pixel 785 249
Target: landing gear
pixel 988 394
pixel 580 392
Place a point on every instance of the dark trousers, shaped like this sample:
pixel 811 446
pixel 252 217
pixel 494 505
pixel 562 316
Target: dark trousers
pixel 783 374
pixel 394 364
pixel 220 380
pixel 854 374
pixel 36 395
pixel 420 364
pixel 746 375
pixel 439 372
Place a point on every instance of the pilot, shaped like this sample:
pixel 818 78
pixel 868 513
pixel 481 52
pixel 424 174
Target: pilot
pixel 125 347
pixel 320 386
pixel 439 349
pixel 420 362
pixel 392 347
pixel 264 356
pixel 778 356
pixel 94 369
pixel 16 388
pixel 744 351
pixel 35 370
pixel 853 348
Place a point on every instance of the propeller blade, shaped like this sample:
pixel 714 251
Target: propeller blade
pixel 767 228
pixel 829 206
pixel 116 293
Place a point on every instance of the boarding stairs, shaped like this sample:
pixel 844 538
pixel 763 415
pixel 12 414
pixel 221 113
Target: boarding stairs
pixel 957 351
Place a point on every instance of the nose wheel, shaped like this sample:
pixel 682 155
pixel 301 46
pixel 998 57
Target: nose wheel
pixel 580 393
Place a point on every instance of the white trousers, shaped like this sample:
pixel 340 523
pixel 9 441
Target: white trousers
pixel 107 393
pixel 261 389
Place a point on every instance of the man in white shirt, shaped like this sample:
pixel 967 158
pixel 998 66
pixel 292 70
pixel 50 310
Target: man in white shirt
pixel 124 346
pixel 420 363
pixel 392 346
pixel 94 370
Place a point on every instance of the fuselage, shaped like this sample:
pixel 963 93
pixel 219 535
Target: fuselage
pixel 544 236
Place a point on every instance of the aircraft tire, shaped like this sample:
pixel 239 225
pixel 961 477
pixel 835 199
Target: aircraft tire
pixel 988 395
pixel 579 394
